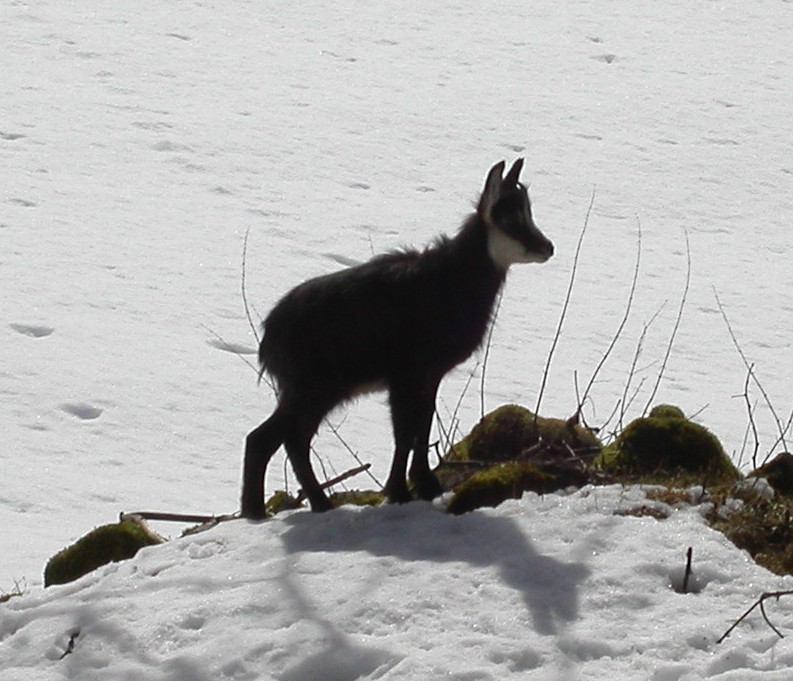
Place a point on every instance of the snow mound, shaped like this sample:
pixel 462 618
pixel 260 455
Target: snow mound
pixel 555 587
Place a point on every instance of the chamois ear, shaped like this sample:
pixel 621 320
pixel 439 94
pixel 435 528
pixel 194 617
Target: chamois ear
pixel 513 175
pixel 492 186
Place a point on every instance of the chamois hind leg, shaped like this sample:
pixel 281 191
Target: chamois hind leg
pixel 260 445
pixel 298 447
pixel 423 479
pixel 403 419
pixel 406 413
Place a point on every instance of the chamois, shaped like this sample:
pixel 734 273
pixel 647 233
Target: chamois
pixel 399 322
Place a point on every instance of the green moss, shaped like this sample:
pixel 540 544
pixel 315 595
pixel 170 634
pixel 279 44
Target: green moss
pixel 667 411
pixel 281 501
pixel 491 486
pixel 653 448
pixel 357 498
pixel 109 543
pixel 506 434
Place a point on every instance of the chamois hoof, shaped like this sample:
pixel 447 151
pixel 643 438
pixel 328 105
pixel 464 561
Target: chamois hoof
pixel 398 495
pixel 320 505
pixel 427 488
pixel 254 513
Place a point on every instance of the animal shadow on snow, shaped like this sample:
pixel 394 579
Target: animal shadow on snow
pixel 549 587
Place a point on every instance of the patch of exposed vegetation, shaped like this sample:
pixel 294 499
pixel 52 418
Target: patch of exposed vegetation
pixel 282 501
pixel 492 485
pixel 644 511
pixel 512 432
pixel 105 544
pixel 511 451
pixel 763 528
pixel 779 473
pixel 651 449
pixel 357 498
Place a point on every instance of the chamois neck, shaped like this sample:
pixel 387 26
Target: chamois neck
pixel 471 245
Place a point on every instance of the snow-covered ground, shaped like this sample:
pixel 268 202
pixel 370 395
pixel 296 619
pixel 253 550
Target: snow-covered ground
pixel 141 141
pixel 554 588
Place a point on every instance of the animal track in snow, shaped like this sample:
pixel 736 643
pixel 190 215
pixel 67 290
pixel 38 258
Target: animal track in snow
pixel 235 348
pixel 82 410
pixel 32 330
pixel 342 259
pixel 25 203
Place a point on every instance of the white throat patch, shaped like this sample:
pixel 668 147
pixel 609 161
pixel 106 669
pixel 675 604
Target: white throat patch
pixel 505 251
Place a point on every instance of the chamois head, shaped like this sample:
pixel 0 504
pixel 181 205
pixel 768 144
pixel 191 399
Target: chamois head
pixel 505 209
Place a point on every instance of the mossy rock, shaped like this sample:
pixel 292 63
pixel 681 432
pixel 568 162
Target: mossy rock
pixel 495 484
pixel 105 544
pixel 778 472
pixel 667 411
pixel 666 444
pixel 506 433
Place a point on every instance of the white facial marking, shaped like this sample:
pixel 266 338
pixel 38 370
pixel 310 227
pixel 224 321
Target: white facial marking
pixel 505 251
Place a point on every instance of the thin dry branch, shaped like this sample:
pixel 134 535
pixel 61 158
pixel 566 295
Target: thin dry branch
pixel 363 466
pixel 623 321
pixel 750 412
pixel 447 435
pixel 759 385
pixel 759 603
pixel 567 297
pixel 671 342
pixel 487 353
pixel 625 402
pixel 248 313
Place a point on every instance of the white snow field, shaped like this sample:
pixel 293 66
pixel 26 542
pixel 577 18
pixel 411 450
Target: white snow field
pixel 141 141
pixel 543 588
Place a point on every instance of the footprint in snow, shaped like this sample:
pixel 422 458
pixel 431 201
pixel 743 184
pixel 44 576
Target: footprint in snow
pixel 32 330
pixel 82 410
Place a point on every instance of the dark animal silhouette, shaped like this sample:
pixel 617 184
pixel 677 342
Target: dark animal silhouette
pixel 398 322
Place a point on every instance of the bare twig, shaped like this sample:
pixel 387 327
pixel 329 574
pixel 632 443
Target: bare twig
pixel 339 478
pixel 760 387
pixel 487 354
pixel 448 434
pixel 70 645
pixel 687 573
pixel 353 453
pixel 759 603
pixel 562 316
pixel 248 313
pixel 750 412
pixel 674 328
pixel 175 517
pixel 624 319
pixel 626 403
